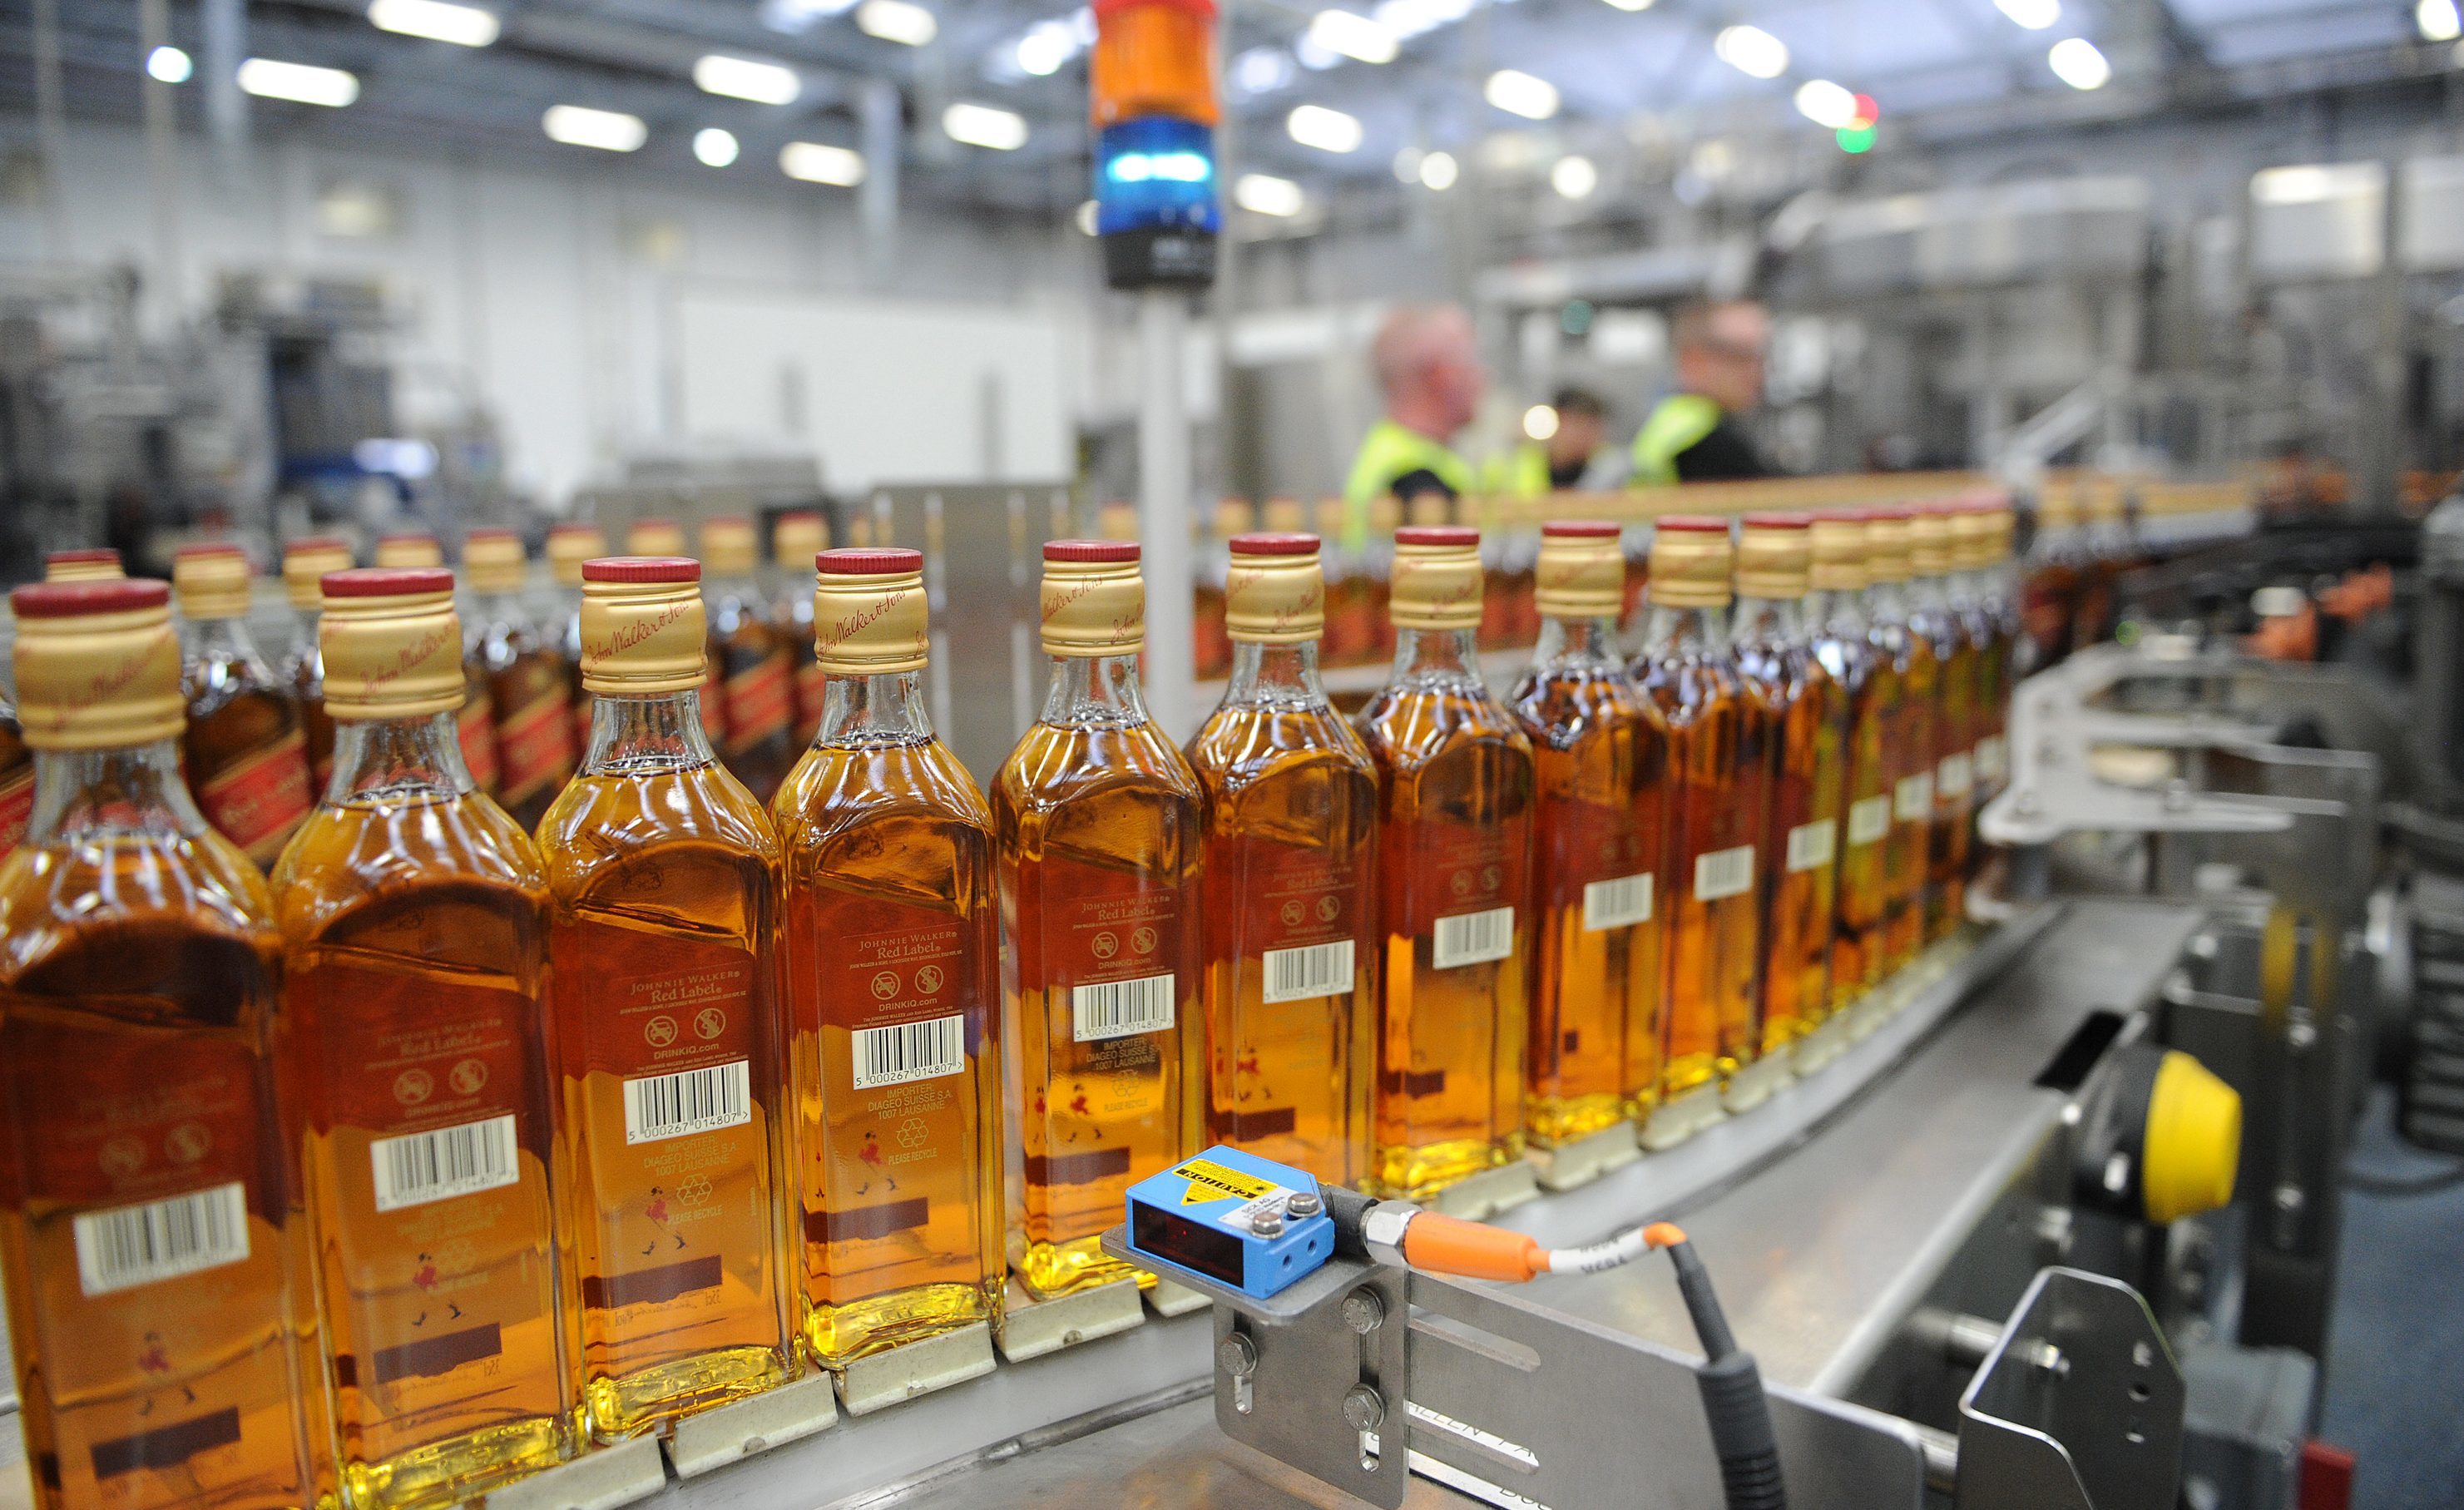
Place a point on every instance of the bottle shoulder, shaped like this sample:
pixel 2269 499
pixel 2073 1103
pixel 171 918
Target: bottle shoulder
pixel 1054 765
pixel 1240 747
pixel 1405 727
pixel 1564 707
pixel 601 822
pixel 350 856
pixel 58 892
pixel 837 790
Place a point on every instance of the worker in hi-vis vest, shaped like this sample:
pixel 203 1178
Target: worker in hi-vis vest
pixel 1569 456
pixel 1428 372
pixel 1694 434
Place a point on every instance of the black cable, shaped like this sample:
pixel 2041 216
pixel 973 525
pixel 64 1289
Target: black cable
pixel 1734 1403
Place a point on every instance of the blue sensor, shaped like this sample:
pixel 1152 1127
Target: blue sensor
pixel 1230 1217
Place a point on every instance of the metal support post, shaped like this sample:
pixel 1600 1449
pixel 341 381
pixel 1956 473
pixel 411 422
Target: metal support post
pixel 881 125
pixel 1163 510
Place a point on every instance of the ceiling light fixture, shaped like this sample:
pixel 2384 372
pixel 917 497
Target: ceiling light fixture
pixel 985 125
pixel 1439 171
pixel 747 79
pixel 1410 18
pixel 1826 104
pixel 2034 14
pixel 1262 70
pixel 462 25
pixel 1264 195
pixel 820 163
pixel 1631 5
pixel 1045 48
pixel 896 21
pixel 1540 422
pixel 714 146
pixel 1352 36
pixel 170 65
pixel 303 83
pixel 1521 94
pixel 1575 177
pixel 1327 131
pixel 1751 51
pixel 2076 61
pixel 2438 20
pixel 608 130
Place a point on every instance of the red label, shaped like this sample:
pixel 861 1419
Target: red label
pixel 129 1118
pixel 402 1056
pixel 17 806
pixel 477 729
pixel 535 745
pixel 714 702
pixel 812 685
pixel 657 1003
pixel 260 798
pixel 759 702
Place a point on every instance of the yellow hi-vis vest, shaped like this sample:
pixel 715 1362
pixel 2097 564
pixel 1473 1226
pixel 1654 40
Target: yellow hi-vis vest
pixel 1522 473
pixel 1675 424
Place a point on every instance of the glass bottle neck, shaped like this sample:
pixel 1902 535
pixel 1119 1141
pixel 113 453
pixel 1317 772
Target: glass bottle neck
pixel 397 760
pixel 1838 612
pixel 1435 659
pixel 1886 603
pixel 1274 676
pixel 646 736
pixel 1095 692
pixel 868 712
pixel 1577 642
pixel 1929 593
pixel 133 789
pixel 1780 621
pixel 1685 630
pixel 225 640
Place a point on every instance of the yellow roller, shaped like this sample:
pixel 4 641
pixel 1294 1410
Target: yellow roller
pixel 2193 1140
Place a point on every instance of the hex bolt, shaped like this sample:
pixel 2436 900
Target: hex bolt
pixel 1236 1355
pixel 1303 1204
pixel 1364 1310
pixel 2289 1199
pixel 1267 1224
pixel 2299 1036
pixel 1364 1409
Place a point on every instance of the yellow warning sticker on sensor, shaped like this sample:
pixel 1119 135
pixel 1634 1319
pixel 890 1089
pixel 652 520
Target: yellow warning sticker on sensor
pixel 1209 1181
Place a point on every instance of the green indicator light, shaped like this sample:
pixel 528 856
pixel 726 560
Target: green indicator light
pixel 1855 138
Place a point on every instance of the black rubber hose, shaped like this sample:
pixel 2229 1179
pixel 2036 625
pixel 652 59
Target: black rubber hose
pixel 1733 1403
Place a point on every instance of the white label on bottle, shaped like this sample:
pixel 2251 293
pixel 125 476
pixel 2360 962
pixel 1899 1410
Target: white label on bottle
pixel 1953 776
pixel 443 1163
pixel 1312 969
pixel 1868 820
pixel 1618 903
pixel 910 1051
pixel 1120 1008
pixel 1474 938
pixel 1912 799
pixel 1812 844
pixel 1723 873
pixel 180 1235
pixel 688 1102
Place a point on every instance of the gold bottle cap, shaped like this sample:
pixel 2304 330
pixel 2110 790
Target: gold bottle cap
pixel 1690 562
pixel 492 560
pixel 1581 574
pixel 1234 517
pixel 1118 521
pixel 393 643
pixel 1275 593
pixel 1436 579
pixel 1929 542
pixel 2057 511
pixel 1886 544
pixel 305 561
pixel 1971 535
pixel 568 546
pixel 797 537
pixel 1839 546
pixel 1333 518
pixel 644 630
pixel 729 545
pixel 1775 556
pixel 1286 517
pixel 410 549
pixel 211 582
pixel 83 565
pixel 654 537
pixel 1386 514
pixel 97 664
pixel 2006 530
pixel 869 612
pixel 1429 511
pixel 1094 601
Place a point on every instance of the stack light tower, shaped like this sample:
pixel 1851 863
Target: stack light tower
pixel 1154 112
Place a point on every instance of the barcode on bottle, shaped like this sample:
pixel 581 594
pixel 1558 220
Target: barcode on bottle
pixel 132 1245
pixel 417 1168
pixel 688 1102
pixel 1118 1008
pixel 1313 969
pixel 1912 799
pixel 1474 938
pixel 1868 820
pixel 1723 873
pixel 1953 775
pixel 910 1051
pixel 1811 845
pixel 1993 758
pixel 1618 903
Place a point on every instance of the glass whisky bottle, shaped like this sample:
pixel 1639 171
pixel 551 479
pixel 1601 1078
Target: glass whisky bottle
pixel 894 972
pixel 664 887
pixel 474 722
pixel 1101 822
pixel 157 1282
pixel 759 671
pixel 1455 800
pixel 795 540
pixel 1211 645
pixel 17 780
pixel 530 687
pixel 1291 820
pixel 1944 624
pixel 1600 750
pixel 1981 537
pixel 413 913
pixel 1807 710
pixel 246 748
pixel 568 547
pixel 1717 735
pixel 1870 682
pixel 665 537
pixel 1908 739
pixel 305 562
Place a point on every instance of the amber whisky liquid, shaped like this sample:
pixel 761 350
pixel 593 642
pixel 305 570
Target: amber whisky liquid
pixel 1808 718
pixel 1957 658
pixel 17 781
pixel 530 697
pixel 1908 748
pixel 663 927
pixel 1599 752
pixel 413 914
pixel 1291 874
pixel 1099 826
pixel 155 1257
pixel 1456 799
pixel 245 749
pixel 893 949
pixel 758 668
pixel 1869 686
